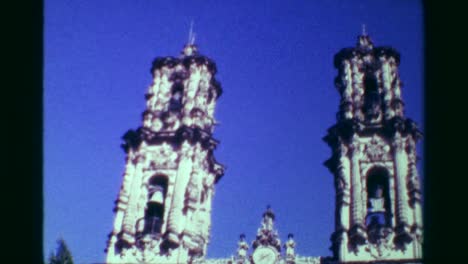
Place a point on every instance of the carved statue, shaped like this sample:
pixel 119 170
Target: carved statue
pixel 289 246
pixel 242 247
pixel 376 208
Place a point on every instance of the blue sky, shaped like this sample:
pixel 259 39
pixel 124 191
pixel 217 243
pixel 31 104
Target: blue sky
pixel 275 63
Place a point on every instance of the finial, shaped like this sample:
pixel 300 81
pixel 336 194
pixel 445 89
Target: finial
pixel 268 212
pixel 364 33
pixel 191 37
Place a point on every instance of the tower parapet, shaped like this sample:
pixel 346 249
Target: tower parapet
pixel 163 211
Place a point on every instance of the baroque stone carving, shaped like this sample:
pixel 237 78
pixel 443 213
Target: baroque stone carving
pixel 289 246
pixel 377 150
pixel 267 234
pixel 242 248
pixel 176 138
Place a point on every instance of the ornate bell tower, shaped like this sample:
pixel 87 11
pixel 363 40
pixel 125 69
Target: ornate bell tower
pixel 378 198
pixel 163 210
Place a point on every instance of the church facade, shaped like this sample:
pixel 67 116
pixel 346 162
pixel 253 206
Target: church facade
pixel 163 210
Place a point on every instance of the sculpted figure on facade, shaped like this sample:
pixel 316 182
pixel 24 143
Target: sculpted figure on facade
pixel 242 248
pixel 289 246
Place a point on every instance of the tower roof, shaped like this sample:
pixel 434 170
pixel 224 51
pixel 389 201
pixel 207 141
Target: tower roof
pixel 365 46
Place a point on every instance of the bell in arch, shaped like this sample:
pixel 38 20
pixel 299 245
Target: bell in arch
pixel 157 195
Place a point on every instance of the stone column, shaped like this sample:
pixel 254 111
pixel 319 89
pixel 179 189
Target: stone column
pixel 414 192
pixel 346 97
pixel 356 203
pixel 342 218
pixel 123 199
pixel 401 165
pixel 129 220
pixel 176 218
pixel 396 87
pixel 161 98
pixel 343 188
pixel 153 91
pixel 416 197
pixel 387 91
pixel 191 89
pixel 357 234
pixel 358 90
pixel 401 174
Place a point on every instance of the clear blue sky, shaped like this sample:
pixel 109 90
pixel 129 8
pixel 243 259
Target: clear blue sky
pixel 275 63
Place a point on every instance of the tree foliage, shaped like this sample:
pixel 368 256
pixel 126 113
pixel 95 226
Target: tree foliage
pixel 62 254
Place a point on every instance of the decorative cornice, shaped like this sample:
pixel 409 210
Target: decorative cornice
pixel 186 61
pixel 132 139
pixel 350 52
pixel 345 129
pixel 405 126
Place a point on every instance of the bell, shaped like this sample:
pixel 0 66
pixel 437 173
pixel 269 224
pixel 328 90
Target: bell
pixel 157 197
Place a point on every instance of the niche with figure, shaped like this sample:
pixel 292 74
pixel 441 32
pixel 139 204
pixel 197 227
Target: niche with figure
pixel 378 198
pixel 154 213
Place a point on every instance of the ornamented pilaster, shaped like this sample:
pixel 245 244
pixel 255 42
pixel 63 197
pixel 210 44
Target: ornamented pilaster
pixel 128 226
pixel 176 219
pixel 343 188
pixel 397 102
pixel 401 165
pixel 356 233
pixel 387 89
pixel 346 89
pixel 358 91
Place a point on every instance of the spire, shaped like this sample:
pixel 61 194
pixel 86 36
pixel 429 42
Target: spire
pixel 364 41
pixel 190 48
pixel 269 213
pixel 191 37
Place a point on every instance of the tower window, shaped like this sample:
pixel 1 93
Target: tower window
pixel 371 97
pixel 378 199
pixel 175 104
pixel 154 214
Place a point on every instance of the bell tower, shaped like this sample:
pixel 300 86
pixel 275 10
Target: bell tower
pixel 378 196
pixel 163 210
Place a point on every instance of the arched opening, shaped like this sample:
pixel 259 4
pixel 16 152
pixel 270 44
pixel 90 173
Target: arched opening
pixel 154 213
pixel 175 103
pixel 378 198
pixel 371 97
